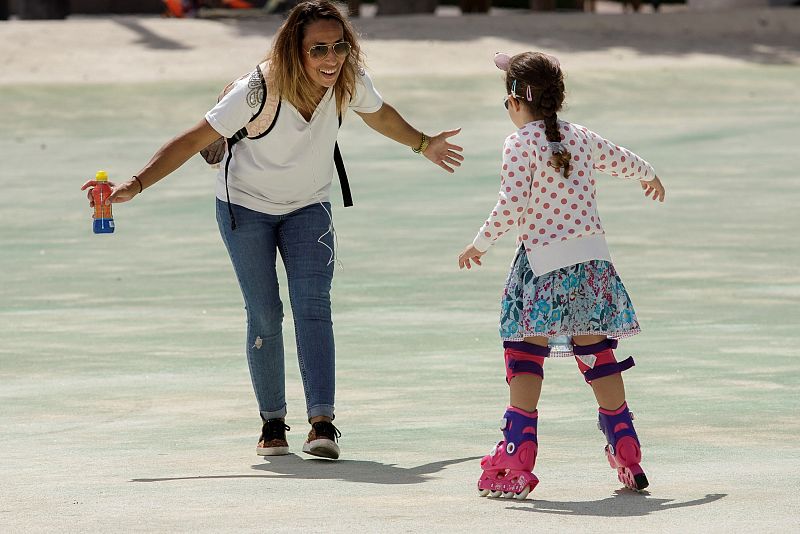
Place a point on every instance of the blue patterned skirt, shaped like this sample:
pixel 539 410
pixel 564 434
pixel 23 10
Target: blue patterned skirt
pixel 583 299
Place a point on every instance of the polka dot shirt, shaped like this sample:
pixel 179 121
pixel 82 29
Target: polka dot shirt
pixel 544 206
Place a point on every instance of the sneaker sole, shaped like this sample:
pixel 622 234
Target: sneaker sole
pixel 324 448
pixel 272 451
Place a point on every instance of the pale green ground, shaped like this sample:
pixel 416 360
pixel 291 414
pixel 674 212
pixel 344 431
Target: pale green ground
pixel 126 403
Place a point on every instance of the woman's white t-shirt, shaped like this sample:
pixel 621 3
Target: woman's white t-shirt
pixel 292 166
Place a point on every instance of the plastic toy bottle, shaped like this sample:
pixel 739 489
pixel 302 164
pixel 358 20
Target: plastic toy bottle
pixel 103 221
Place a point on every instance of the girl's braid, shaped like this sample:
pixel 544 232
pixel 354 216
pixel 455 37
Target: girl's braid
pixel 549 104
pixel 543 87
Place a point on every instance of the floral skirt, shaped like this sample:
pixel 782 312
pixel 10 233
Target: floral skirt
pixel 583 299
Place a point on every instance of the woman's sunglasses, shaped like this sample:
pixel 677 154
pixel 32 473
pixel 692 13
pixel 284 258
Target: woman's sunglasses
pixel 321 51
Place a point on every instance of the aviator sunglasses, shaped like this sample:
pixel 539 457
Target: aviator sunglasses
pixel 321 51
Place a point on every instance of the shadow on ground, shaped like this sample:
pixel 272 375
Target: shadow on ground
pixel 147 37
pixel 762 37
pixel 365 472
pixel 624 503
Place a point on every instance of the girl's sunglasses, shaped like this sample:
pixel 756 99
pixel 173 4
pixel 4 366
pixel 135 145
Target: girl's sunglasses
pixel 321 51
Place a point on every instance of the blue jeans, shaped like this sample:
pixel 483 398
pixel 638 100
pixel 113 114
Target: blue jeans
pixel 253 248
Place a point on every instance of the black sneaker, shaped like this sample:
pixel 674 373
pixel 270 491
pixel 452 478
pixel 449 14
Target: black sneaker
pixel 273 438
pixel 322 440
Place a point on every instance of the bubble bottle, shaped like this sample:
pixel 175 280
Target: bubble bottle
pixel 103 221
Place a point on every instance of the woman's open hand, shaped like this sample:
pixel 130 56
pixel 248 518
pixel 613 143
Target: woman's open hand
pixel 443 153
pixel 119 193
pixel 470 254
pixel 654 186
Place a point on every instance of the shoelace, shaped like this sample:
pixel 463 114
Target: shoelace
pixel 325 429
pixel 274 429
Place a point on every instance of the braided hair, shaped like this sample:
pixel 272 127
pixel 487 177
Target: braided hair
pixel 538 79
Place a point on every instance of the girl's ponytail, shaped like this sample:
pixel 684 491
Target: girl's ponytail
pixel 542 81
pixel 549 103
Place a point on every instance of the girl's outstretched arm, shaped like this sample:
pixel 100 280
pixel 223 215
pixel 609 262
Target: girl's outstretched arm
pixel 654 186
pixel 615 160
pixel 515 192
pixel 469 254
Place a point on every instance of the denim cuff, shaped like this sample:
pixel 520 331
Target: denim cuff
pixel 325 410
pixel 278 414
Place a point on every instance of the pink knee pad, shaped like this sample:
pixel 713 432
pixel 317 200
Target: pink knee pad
pixel 524 358
pixel 605 364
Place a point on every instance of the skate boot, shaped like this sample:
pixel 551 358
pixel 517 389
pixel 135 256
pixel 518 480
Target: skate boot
pixel 507 468
pixel 623 450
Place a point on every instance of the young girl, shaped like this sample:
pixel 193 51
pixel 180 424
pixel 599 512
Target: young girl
pixel 562 281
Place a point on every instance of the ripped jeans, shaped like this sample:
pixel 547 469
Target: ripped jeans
pixel 253 248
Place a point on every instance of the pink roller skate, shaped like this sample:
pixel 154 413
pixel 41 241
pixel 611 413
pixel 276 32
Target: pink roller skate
pixel 507 469
pixel 623 450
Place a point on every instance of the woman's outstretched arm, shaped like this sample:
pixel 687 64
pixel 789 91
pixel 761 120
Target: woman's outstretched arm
pixel 440 151
pixel 169 157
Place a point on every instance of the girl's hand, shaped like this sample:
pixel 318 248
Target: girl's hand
pixel 443 153
pixel 654 186
pixel 470 253
pixel 119 193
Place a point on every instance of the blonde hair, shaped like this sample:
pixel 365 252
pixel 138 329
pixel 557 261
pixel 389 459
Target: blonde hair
pixel 287 74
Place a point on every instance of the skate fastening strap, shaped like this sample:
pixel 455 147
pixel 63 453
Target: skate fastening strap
pixel 608 369
pixel 617 426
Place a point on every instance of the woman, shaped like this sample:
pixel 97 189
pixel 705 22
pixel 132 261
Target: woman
pixel 273 195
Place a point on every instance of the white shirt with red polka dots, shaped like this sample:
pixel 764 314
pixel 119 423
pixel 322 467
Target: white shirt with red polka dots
pixel 556 217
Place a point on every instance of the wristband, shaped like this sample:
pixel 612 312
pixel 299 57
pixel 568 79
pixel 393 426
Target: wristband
pixel 423 144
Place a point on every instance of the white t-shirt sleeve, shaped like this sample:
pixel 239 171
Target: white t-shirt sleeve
pixel 366 98
pixel 237 107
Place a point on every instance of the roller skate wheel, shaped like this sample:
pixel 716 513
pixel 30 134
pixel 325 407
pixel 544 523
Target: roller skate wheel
pixel 522 494
pixel 483 492
pixel 508 494
pixel 510 447
pixel 495 493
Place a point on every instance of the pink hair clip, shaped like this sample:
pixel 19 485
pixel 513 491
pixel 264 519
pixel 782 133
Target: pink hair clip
pixel 529 97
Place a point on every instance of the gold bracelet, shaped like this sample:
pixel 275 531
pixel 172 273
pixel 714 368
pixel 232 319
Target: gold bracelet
pixel 423 144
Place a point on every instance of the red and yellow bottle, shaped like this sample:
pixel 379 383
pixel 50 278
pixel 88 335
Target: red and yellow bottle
pixel 103 221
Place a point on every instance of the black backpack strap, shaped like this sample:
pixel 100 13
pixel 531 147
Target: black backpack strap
pixel 347 197
pixel 231 141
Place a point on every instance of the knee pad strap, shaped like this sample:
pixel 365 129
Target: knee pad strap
pixel 528 348
pixel 594 348
pixel 605 364
pixel 608 369
pixel 520 363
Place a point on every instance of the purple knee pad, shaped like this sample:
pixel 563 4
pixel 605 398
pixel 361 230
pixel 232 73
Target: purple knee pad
pixel 605 364
pixel 524 358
